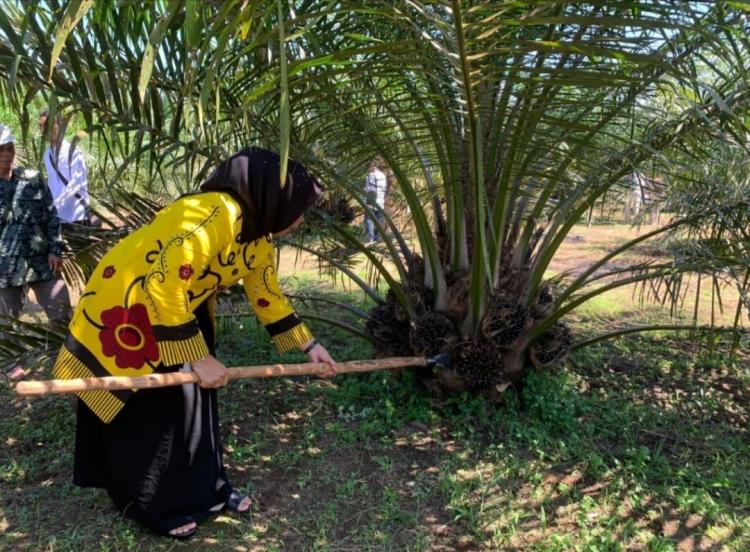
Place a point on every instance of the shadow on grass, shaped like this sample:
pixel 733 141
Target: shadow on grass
pixel 640 444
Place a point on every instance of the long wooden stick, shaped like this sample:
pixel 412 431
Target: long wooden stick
pixel 114 383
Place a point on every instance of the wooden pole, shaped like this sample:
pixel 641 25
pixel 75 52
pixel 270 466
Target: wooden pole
pixel 115 383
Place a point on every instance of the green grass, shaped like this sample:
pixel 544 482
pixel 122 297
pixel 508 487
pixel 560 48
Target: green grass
pixel 637 444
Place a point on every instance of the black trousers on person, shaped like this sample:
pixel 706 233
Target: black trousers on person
pixel 160 459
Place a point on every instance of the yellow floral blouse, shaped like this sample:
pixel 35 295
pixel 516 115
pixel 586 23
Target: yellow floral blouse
pixel 136 312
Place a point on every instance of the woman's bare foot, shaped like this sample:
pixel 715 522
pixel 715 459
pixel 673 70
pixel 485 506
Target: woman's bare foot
pixel 183 530
pixel 239 502
pixel 244 504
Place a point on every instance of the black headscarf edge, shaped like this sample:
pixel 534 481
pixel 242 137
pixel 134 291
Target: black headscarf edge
pixel 251 177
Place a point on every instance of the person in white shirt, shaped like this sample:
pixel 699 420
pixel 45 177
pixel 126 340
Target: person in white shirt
pixel 375 188
pixel 66 176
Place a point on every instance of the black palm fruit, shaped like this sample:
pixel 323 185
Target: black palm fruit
pixel 383 325
pixel 432 334
pixel 505 322
pixel 479 363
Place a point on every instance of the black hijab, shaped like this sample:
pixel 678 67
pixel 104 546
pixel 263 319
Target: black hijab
pixel 251 176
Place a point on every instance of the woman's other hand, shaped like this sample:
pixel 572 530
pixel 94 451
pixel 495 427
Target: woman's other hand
pixel 319 354
pixel 211 372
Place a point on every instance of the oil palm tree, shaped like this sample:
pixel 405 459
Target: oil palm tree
pixel 518 119
pixel 502 123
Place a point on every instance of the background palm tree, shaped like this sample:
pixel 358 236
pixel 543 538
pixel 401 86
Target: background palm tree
pixel 502 123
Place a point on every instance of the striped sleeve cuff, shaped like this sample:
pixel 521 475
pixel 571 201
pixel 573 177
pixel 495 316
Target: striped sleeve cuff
pixel 174 353
pixel 289 333
pixel 180 344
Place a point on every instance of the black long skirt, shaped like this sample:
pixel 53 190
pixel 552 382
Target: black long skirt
pixel 160 459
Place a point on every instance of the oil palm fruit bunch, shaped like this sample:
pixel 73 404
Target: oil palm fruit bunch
pixel 479 364
pixel 432 334
pixel 391 331
pixel 505 322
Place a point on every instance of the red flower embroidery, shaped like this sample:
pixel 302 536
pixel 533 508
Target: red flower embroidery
pixel 128 336
pixel 263 302
pixel 186 271
pixel 109 271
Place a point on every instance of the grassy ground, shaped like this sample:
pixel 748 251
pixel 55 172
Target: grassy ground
pixel 638 444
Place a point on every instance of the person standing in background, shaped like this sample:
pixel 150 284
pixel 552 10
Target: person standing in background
pixel 66 175
pixel 375 187
pixel 30 244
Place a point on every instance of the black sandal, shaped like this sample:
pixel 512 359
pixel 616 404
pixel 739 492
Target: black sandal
pixel 165 527
pixel 234 501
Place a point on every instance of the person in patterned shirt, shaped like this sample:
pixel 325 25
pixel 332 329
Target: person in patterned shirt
pixel 148 307
pixel 30 244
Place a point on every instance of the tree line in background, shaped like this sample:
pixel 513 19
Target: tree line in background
pixel 502 123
